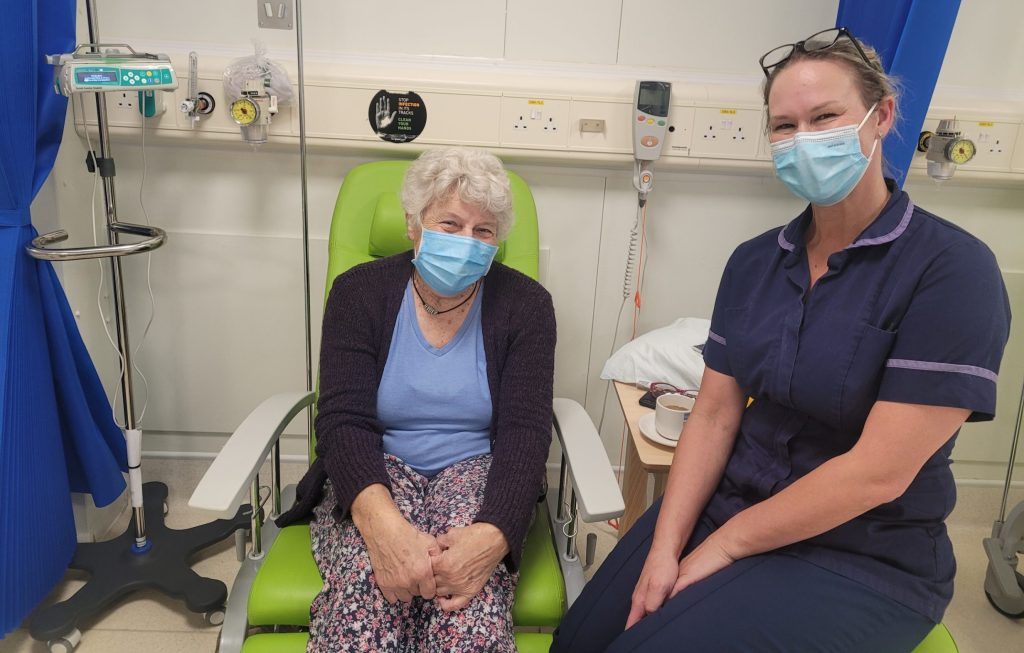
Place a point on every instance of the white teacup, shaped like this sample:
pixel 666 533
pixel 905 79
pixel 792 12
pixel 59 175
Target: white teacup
pixel 670 414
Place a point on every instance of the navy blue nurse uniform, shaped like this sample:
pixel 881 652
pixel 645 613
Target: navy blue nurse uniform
pixel 913 311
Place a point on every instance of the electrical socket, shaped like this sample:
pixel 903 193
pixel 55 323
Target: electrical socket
pixel 123 108
pixel 538 122
pixel 993 143
pixel 725 132
pixel 127 100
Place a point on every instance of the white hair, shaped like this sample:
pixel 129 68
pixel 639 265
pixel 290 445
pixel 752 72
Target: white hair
pixel 475 176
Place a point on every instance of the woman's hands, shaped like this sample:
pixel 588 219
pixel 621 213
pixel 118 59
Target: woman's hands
pixel 407 562
pixel 659 575
pixel 663 577
pixel 466 561
pixel 400 554
pixel 708 558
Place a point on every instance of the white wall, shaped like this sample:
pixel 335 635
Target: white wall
pixel 229 325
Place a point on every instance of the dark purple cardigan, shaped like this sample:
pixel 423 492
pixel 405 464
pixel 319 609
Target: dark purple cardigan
pixel 518 323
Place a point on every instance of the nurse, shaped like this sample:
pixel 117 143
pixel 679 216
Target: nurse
pixel 866 331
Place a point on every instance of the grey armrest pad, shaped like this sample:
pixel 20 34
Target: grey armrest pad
pixel 597 491
pixel 227 480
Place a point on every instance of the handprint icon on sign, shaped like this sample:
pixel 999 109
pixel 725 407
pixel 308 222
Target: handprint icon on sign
pixel 397 117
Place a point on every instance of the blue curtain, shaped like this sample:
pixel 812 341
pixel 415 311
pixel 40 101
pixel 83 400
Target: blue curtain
pixel 911 37
pixel 57 434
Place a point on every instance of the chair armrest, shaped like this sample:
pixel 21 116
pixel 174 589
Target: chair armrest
pixel 597 491
pixel 226 481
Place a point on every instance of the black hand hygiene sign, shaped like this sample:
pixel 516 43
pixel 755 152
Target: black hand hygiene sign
pixel 397 117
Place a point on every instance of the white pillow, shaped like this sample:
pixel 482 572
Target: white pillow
pixel 670 354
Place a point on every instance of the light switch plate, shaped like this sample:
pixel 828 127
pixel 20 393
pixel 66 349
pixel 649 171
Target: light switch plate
pixel 275 14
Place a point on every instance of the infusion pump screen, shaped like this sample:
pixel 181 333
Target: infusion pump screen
pixel 96 76
pixel 654 98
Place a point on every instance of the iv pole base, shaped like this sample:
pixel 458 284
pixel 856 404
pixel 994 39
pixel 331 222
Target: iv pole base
pixel 116 570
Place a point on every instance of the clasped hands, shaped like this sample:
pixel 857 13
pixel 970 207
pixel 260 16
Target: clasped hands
pixel 664 575
pixel 453 567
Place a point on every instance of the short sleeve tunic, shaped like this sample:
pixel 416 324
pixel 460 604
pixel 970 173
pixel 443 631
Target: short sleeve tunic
pixel 913 311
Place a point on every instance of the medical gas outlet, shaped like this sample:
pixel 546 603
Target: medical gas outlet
pixel 945 149
pixel 254 111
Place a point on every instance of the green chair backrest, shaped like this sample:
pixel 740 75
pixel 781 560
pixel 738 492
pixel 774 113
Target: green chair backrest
pixel 369 223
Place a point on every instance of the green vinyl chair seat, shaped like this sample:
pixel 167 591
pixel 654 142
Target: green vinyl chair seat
pixel 289 580
pixel 938 641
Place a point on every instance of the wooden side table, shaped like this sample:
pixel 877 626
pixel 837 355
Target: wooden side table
pixel 642 457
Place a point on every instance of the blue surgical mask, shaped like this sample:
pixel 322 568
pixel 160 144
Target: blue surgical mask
pixel 823 167
pixel 450 263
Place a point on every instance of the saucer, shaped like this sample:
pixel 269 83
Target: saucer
pixel 651 433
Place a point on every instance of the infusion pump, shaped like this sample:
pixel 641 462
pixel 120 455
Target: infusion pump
pixel 78 71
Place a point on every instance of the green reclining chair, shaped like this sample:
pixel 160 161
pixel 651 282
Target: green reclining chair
pixel 268 608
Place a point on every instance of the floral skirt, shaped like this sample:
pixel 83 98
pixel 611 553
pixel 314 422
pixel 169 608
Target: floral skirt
pixel 350 613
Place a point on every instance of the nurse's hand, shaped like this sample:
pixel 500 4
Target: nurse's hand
pixel 467 560
pixel 709 557
pixel 656 581
pixel 400 554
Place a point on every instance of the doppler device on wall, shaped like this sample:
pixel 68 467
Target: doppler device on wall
pixel 651 101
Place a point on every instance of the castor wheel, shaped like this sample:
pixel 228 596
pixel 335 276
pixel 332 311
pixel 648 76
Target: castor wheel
pixel 214 617
pixel 65 644
pixel 1005 610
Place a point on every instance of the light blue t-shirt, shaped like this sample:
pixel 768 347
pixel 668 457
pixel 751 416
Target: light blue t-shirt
pixel 435 404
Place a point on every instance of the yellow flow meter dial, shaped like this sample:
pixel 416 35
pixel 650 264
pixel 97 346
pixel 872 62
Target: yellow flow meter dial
pixel 244 111
pixel 960 150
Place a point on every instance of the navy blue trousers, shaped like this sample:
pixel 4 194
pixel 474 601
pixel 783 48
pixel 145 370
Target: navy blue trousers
pixel 770 602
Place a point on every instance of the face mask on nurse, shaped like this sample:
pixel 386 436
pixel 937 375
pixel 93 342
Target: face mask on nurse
pixel 823 167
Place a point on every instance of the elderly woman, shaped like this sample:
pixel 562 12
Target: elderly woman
pixel 433 425
pixel 866 331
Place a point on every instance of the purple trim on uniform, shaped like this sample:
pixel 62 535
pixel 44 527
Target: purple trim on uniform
pixel 892 235
pixel 717 338
pixel 942 367
pixel 783 243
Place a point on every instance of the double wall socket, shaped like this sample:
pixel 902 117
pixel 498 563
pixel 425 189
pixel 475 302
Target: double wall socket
pixel 535 122
pixel 725 132
pixel 993 142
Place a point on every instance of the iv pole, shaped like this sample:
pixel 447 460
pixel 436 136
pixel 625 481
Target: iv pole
pixel 139 558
